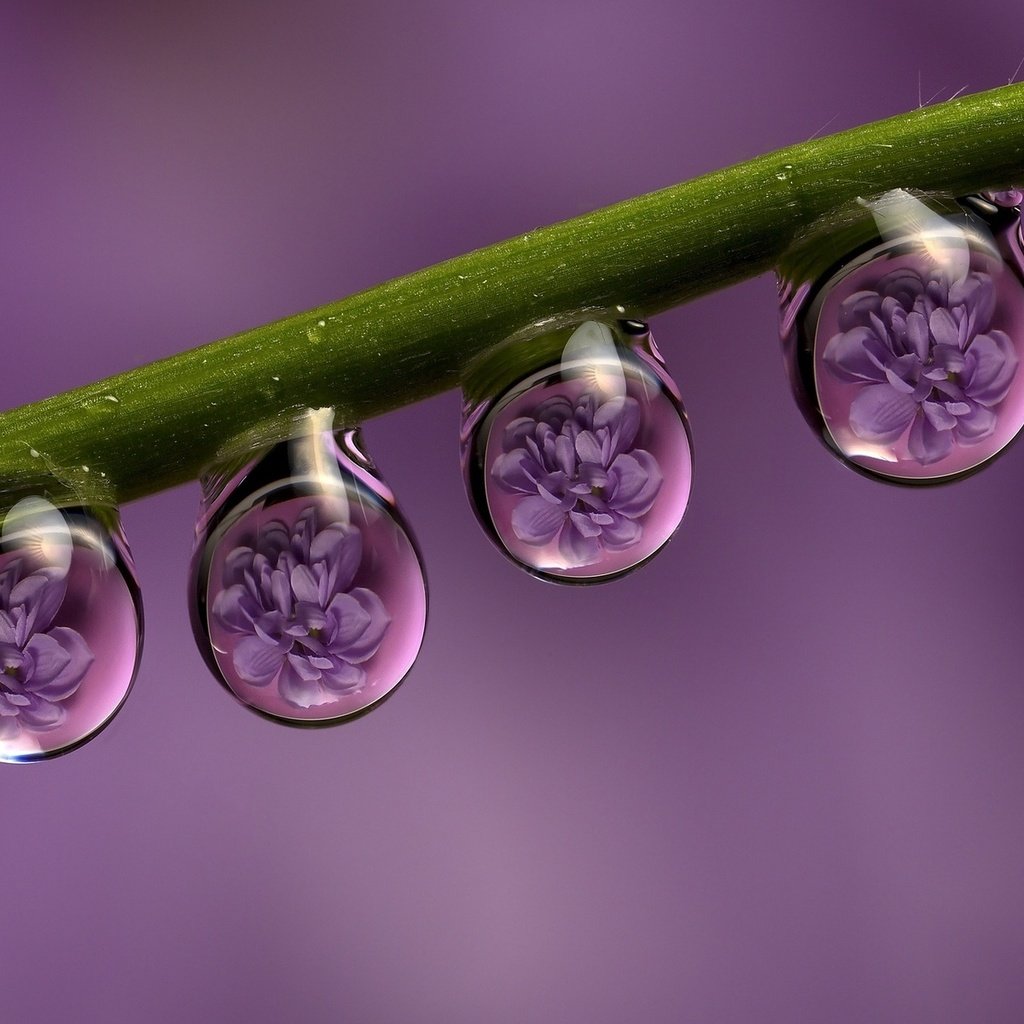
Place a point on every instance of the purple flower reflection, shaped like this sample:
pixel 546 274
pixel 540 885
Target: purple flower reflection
pixel 920 345
pixel 1008 198
pixel 302 622
pixel 580 477
pixel 40 665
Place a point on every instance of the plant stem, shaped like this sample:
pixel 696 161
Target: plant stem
pixel 160 424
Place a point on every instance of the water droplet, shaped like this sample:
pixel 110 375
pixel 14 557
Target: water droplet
pixel 309 599
pixel 902 324
pixel 576 450
pixel 72 614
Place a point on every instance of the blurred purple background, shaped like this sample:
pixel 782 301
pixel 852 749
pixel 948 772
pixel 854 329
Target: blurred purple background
pixel 774 776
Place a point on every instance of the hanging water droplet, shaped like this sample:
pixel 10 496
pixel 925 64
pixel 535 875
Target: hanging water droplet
pixel 576 450
pixel 308 595
pixel 902 323
pixel 70 627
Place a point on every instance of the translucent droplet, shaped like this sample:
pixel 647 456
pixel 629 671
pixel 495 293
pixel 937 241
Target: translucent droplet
pixel 309 601
pixel 902 323
pixel 576 450
pixel 70 627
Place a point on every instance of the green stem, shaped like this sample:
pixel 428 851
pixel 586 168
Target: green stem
pixel 158 425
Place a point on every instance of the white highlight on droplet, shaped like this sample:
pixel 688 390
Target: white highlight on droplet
pixel 36 527
pixel 902 216
pixel 590 353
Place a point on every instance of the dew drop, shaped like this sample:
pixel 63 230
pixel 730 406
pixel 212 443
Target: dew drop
pixel 309 600
pixel 902 325
pixel 576 451
pixel 68 574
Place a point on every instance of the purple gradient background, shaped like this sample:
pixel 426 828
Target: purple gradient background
pixel 775 776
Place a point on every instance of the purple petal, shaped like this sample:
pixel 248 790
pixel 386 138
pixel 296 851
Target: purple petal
pixel 978 423
pixel 41 594
pixel 565 455
pixel 553 487
pixel 62 658
pixel 896 382
pixel 302 665
pixel 341 548
pixel 369 642
pixel 977 293
pixel 302 534
pixel 938 415
pixel 516 430
pixel 621 416
pixel 944 328
pixel 349 620
pixel 636 481
pixel 40 714
pixel 927 444
pixel 280 595
pixel 257 662
pixel 11 704
pixel 589 448
pixel 918 334
pixel 304 584
pixel 578 550
pixel 517 470
pixel 856 308
pixel 591 478
pixel 947 359
pixel 270 628
pixel 235 609
pixel 991 367
pixel 554 411
pixel 344 678
pixel 536 521
pixel 7 631
pixel 236 564
pixel 879 413
pixel 621 533
pixel 298 691
pixel 585 524
pixel 856 355
pixel 308 618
